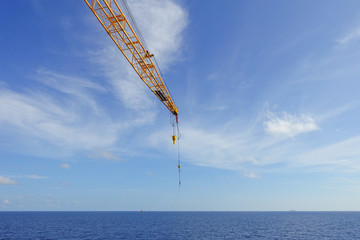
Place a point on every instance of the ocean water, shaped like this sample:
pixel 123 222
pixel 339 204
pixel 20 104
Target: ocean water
pixel 179 225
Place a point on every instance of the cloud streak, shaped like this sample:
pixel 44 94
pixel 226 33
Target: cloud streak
pixel 105 155
pixel 251 175
pixel 215 148
pixel 341 155
pixel 37 177
pixel 61 123
pixel 33 176
pixel 7 181
pixel 351 37
pixel 288 125
pixel 163 34
pixel 65 165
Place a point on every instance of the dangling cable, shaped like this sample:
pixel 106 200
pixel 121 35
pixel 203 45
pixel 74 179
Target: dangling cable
pixel 176 132
pixel 172 119
pixel 179 163
pixel 174 129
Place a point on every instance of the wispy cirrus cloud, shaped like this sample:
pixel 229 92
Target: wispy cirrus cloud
pixel 352 36
pixel 33 176
pixel 62 123
pixel 37 177
pixel 72 111
pixel 216 148
pixel 251 175
pixel 125 85
pixel 344 154
pixel 103 154
pixel 289 125
pixel 7 181
pixel 163 34
pixel 65 165
pixel 72 85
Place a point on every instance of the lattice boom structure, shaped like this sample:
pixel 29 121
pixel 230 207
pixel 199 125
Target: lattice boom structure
pixel 117 26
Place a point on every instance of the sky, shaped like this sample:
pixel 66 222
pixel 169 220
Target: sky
pixel 268 98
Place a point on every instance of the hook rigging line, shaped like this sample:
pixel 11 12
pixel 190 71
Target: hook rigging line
pixel 179 163
pixel 176 131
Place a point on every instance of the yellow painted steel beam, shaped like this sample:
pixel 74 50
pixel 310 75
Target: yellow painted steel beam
pixel 115 23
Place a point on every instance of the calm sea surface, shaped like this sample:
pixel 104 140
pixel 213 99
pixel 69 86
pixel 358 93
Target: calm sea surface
pixel 179 225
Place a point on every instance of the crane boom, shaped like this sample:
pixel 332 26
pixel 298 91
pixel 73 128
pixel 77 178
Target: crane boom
pixel 121 32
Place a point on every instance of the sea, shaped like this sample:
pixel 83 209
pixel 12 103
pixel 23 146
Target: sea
pixel 180 225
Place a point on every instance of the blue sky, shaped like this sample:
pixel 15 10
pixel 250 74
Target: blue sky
pixel 268 97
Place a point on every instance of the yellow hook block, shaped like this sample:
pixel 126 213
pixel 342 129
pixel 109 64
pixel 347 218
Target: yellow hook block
pixel 174 138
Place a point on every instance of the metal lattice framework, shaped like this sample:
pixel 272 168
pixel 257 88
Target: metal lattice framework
pixel 119 29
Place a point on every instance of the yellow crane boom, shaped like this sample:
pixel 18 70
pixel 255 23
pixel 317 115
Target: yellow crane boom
pixel 121 32
pixel 116 24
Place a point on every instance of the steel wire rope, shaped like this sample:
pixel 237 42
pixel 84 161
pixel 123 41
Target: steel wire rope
pixel 133 22
pixel 138 32
pixel 179 166
pixel 173 122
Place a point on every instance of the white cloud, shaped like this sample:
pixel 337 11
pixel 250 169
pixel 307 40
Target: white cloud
pixel 72 85
pixel 125 84
pixel 102 154
pixel 37 177
pixel 351 37
pixel 237 149
pixel 163 34
pixel 68 112
pixel 338 111
pixel 288 125
pixel 6 201
pixel 34 176
pixel 206 148
pixel 65 165
pixel 163 37
pixel 59 122
pixel 344 154
pixel 251 175
pixel 7 181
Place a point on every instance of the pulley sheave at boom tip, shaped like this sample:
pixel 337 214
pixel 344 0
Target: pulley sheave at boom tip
pixel 116 24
